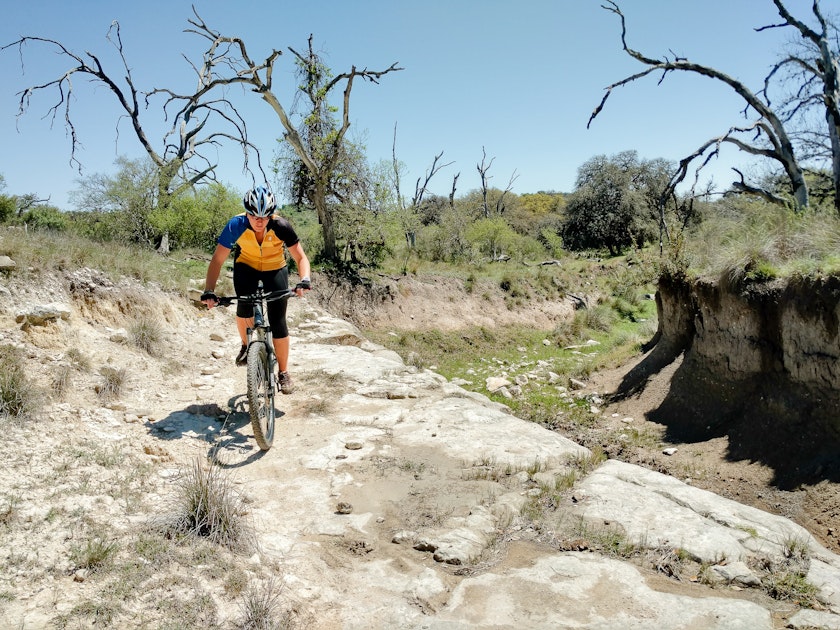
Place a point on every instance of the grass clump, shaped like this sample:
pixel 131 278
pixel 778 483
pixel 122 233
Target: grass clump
pixel 62 379
pixel 757 242
pixel 146 333
pixel 113 382
pixel 18 396
pixel 208 507
pixel 610 540
pixel 94 554
pixel 786 578
pixel 78 359
pixel 262 608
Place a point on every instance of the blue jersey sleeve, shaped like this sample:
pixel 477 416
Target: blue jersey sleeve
pixel 232 231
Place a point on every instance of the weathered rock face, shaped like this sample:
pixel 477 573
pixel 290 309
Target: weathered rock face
pixel 761 358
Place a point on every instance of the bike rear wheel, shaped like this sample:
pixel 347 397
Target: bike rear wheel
pixel 260 396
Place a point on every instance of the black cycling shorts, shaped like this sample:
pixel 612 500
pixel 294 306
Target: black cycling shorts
pixel 245 280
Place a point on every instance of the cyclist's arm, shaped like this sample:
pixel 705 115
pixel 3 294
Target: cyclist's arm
pixel 301 260
pixel 213 271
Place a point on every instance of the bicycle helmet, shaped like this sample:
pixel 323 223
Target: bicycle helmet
pixel 259 202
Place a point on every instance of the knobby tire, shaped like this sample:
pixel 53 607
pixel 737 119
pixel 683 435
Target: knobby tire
pixel 260 396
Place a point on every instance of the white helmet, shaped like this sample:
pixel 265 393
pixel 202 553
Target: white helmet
pixel 259 202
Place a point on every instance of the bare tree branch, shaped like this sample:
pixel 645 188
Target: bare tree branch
pixel 231 53
pixel 195 117
pixel 769 127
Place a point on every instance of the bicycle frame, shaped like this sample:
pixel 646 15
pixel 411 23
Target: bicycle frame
pixel 261 363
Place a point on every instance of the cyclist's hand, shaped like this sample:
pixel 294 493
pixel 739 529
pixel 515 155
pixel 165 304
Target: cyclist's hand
pixel 209 298
pixel 303 285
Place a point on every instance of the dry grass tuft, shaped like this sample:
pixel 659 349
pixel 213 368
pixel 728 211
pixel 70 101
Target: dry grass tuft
pixel 262 608
pixel 62 379
pixel 18 397
pixel 113 382
pixel 146 333
pixel 208 506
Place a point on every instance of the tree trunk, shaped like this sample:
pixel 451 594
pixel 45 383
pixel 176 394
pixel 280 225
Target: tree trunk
pixel 835 158
pixel 325 218
pixel 163 248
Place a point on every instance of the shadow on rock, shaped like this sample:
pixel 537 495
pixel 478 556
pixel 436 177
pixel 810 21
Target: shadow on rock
pixel 234 446
pixel 203 422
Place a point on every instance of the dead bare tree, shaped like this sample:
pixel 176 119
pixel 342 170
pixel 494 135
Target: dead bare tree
pixel 191 129
pixel 452 191
pixel 410 211
pixel 483 168
pixel 421 187
pixel 766 135
pixel 813 69
pixel 319 159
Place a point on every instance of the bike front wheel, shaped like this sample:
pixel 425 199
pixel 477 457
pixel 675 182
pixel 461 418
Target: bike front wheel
pixel 260 396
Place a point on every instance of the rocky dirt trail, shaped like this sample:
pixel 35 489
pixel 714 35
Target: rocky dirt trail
pixel 391 498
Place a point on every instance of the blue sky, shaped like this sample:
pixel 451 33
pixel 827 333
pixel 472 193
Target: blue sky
pixel 518 80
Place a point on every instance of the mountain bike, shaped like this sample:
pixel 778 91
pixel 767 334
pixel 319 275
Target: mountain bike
pixel 261 362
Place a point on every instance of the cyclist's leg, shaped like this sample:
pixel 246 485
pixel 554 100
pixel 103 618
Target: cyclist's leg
pixel 244 283
pixel 242 325
pixel 281 349
pixel 279 328
pixel 279 281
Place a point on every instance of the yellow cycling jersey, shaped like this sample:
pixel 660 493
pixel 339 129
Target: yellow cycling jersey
pixel 238 236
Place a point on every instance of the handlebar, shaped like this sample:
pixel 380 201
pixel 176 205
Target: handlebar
pixel 270 296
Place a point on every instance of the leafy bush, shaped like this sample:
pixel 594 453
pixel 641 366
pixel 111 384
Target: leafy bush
pixel 492 237
pixel 45 218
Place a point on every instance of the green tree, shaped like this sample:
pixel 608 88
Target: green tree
pixel 121 204
pixel 7 202
pixel 195 219
pixel 532 213
pixel 124 207
pixel 614 204
pixel 493 237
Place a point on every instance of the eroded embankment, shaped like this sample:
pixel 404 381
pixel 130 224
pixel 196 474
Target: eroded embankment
pixel 760 364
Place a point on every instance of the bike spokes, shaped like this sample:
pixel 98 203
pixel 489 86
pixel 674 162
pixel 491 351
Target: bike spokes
pixel 260 395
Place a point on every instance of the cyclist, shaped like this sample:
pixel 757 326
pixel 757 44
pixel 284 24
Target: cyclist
pixel 258 238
